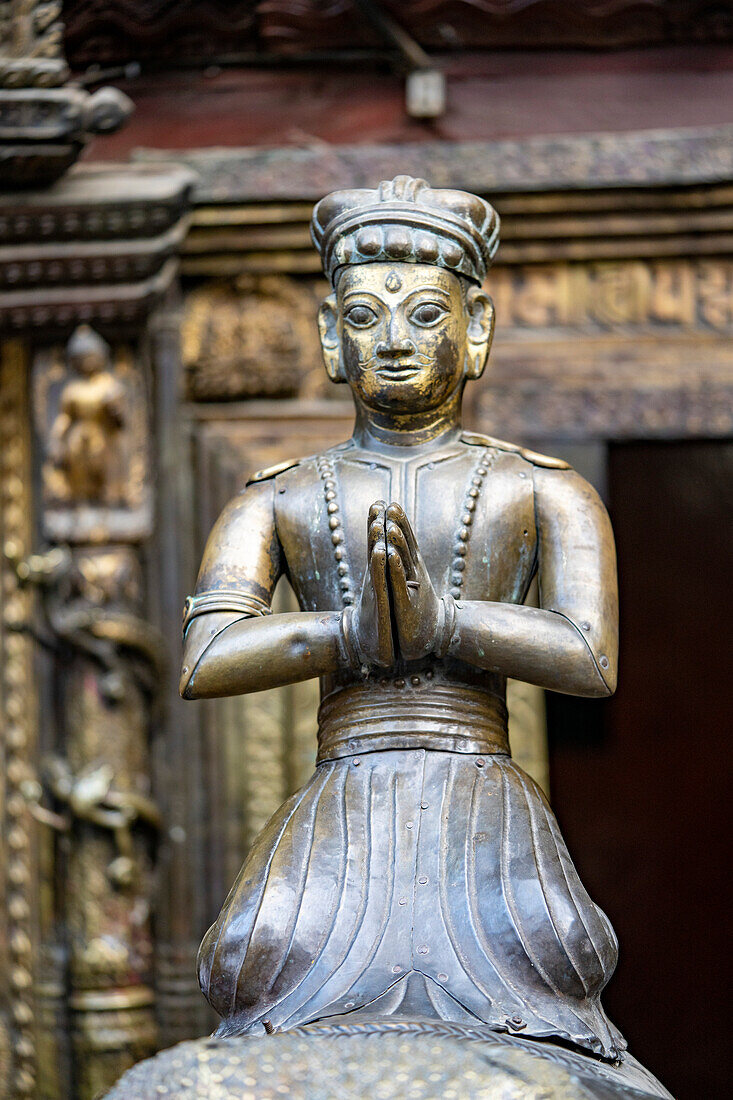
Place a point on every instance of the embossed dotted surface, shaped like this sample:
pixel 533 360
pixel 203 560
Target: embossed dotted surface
pixel 409 1062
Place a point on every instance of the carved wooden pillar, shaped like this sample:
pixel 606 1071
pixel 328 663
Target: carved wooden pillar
pixel 92 421
pixel 43 125
pixel 19 918
pixel 86 278
pixel 181 914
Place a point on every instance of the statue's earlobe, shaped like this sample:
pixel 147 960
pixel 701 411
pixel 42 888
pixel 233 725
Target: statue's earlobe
pixel 330 343
pixel 480 332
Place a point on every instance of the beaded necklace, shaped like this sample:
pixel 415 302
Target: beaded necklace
pixel 473 491
pixel 327 473
pixel 325 466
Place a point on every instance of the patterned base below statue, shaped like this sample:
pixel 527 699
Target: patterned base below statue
pixel 383 1060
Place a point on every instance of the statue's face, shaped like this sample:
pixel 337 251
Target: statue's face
pixel 87 363
pixel 402 330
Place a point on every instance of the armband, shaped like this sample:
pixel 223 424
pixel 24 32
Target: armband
pixel 223 600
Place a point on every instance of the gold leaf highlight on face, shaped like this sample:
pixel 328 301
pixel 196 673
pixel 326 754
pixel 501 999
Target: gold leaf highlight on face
pixel 403 334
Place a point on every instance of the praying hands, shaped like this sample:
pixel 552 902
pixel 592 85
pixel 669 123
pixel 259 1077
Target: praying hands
pixel 399 615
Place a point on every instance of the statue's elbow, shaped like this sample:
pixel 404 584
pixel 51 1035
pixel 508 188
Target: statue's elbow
pixel 604 678
pixel 186 685
pixel 593 680
pixel 597 666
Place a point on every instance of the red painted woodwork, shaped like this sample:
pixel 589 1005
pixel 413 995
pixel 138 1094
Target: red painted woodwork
pixel 489 96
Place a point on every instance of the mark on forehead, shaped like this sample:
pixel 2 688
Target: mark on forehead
pixel 393 282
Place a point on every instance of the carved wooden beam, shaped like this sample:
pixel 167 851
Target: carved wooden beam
pixel 98 247
pixel 566 162
pixel 111 33
pixel 615 252
pixel 584 352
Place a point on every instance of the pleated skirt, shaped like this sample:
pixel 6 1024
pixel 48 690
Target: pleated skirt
pixel 386 864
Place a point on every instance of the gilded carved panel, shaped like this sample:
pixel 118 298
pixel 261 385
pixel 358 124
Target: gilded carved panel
pixel 604 296
pixel 91 414
pixel 90 411
pixel 19 835
pixel 585 351
pixel 254 337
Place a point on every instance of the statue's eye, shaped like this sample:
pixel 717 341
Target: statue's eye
pixel 427 313
pixel 361 316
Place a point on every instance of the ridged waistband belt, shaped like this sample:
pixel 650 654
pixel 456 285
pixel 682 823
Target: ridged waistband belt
pixel 411 713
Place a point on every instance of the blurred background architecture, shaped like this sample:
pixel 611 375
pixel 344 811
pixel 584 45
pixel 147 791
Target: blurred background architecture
pixel 158 290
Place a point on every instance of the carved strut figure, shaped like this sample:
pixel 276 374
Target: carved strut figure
pixel 86 441
pixel 419 873
pixel 84 613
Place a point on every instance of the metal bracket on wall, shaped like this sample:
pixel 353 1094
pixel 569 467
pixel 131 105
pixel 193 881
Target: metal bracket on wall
pixel 425 91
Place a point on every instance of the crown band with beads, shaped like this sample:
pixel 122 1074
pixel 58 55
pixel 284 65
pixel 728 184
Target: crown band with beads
pixel 406 220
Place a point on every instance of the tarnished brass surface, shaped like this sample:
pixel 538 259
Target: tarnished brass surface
pixel 418 882
pixel 598 342
pixel 420 1060
pixel 418 848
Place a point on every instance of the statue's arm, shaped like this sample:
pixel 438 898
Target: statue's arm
pixel 58 433
pixel 569 644
pixel 232 643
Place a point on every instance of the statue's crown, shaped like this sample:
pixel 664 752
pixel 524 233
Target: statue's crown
pixel 406 220
pixel 85 341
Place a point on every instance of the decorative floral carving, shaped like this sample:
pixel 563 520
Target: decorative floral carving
pixel 255 337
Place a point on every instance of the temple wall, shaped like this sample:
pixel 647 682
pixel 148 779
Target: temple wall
pixel 182 240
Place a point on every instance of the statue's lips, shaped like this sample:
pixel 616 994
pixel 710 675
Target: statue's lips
pixel 400 373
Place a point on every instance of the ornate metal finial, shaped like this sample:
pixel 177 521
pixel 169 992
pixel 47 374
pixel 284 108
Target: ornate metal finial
pixel 45 121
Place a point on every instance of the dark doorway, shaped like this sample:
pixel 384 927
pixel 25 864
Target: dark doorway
pixel 641 783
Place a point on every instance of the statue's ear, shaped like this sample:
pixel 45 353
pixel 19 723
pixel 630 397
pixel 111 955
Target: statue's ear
pixel 480 332
pixel 330 343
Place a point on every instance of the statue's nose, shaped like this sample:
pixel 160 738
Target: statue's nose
pixel 393 349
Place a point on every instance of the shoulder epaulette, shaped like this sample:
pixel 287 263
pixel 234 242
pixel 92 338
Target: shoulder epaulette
pixel 547 461
pixel 281 467
pixel 273 471
pixel 513 448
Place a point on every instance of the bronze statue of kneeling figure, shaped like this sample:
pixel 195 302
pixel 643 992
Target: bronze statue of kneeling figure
pixel 418 884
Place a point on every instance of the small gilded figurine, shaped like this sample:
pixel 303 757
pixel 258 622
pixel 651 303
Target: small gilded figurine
pixel 86 448
pixel 419 872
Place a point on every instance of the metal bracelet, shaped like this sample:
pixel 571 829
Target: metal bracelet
pixel 350 645
pixel 447 626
